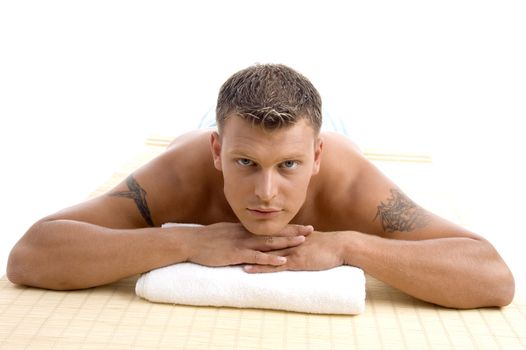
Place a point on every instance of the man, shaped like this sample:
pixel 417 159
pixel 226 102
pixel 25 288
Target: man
pixel 272 193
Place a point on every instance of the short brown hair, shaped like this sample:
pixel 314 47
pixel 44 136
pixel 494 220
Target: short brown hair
pixel 269 95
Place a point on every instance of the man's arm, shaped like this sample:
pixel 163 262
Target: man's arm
pixel 421 253
pixel 118 235
pixel 67 254
pixel 459 272
pixel 63 252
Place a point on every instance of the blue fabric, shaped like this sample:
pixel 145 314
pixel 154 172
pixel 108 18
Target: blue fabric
pixel 330 123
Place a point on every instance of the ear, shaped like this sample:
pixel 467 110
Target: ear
pixel 318 148
pixel 215 146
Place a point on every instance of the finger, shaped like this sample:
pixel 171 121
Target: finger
pixel 263 268
pixel 296 230
pixel 282 252
pixel 274 243
pixel 259 258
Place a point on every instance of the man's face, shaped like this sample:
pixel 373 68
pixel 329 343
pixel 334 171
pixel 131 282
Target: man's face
pixel 266 173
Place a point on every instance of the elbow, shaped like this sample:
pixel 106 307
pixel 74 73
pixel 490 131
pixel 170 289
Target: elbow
pixel 500 282
pixel 23 264
pixel 496 284
pixel 489 283
pixel 15 267
pixel 504 292
pixel 497 287
pixel 22 271
pixel 27 266
pixel 481 293
pixel 21 267
pixel 496 294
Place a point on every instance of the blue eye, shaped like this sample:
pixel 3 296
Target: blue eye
pixel 244 162
pixel 289 164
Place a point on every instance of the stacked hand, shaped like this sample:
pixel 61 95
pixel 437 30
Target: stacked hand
pixel 320 251
pixel 296 247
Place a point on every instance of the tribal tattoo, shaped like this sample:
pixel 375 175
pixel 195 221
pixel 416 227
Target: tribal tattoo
pixel 401 214
pixel 138 194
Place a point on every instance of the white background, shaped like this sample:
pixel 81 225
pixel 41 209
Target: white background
pixel 82 84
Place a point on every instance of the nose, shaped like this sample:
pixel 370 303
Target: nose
pixel 266 187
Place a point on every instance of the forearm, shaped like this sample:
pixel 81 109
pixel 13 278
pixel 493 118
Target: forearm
pixel 453 272
pixel 66 254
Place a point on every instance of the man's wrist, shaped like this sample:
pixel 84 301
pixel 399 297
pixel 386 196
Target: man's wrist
pixel 351 243
pixel 178 242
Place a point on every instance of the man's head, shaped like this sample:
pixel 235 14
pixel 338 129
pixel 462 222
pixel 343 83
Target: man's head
pixel 268 146
pixel 269 95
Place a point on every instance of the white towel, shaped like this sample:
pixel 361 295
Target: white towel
pixel 340 290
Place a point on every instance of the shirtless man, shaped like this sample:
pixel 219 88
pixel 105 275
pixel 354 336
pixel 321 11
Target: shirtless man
pixel 273 193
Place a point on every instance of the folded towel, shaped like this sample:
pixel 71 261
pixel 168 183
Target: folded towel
pixel 340 290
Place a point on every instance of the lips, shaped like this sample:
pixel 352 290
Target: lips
pixel 264 212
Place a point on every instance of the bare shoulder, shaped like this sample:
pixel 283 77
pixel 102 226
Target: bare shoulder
pixel 198 137
pixel 342 141
pixel 342 158
pixel 366 200
pixel 335 187
pixel 167 188
pixel 179 181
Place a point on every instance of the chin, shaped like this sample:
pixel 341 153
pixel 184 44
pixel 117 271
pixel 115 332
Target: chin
pixel 264 228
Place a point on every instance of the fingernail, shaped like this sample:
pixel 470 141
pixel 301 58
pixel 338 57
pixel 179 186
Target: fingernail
pixel 300 238
pixel 282 259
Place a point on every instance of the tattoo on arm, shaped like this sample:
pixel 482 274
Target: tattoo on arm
pixel 400 213
pixel 138 194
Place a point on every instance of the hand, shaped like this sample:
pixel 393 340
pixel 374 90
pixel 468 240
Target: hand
pixel 225 244
pixel 320 251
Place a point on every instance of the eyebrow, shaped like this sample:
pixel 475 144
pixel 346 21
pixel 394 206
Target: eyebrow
pixel 292 156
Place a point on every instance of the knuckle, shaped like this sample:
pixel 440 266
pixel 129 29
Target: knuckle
pixel 257 257
pixel 269 240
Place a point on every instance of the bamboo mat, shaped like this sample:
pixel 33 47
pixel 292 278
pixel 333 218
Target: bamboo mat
pixel 113 317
